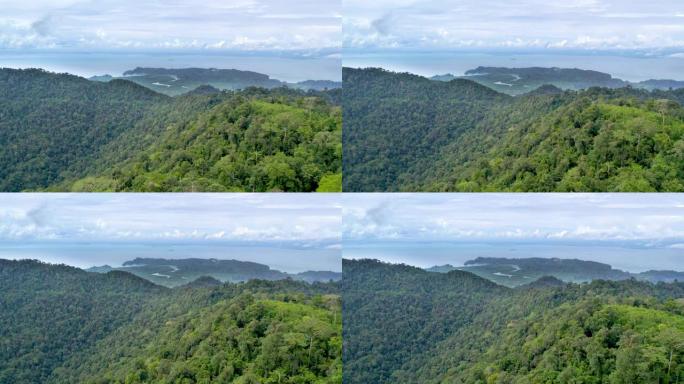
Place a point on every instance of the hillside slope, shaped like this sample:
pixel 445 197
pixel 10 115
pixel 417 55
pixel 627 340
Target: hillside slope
pixel 64 133
pixel 407 133
pixel 55 123
pixel 601 332
pixel 64 325
pixel 393 313
pixel 395 121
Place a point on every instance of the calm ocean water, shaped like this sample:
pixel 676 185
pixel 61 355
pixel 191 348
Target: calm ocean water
pixel 628 257
pixel 89 64
pixel 84 255
pixel 633 68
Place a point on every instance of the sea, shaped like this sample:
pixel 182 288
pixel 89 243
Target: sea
pixel 626 67
pixel 627 256
pixel 288 68
pixel 84 254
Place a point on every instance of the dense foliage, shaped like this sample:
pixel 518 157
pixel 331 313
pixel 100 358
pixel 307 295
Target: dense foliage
pixel 395 122
pixel 50 124
pixel 61 132
pixel 404 132
pixel 240 145
pixel 549 332
pixel 63 325
pixel 393 313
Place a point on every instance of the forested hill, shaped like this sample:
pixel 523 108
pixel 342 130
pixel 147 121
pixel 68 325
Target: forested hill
pixel 63 325
pixel 61 132
pixel 393 313
pixel 407 133
pixel 50 123
pixel 601 332
pixel 398 121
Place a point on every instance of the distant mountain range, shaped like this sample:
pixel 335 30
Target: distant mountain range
pixel 174 82
pixel 517 81
pixel 516 272
pixel 177 272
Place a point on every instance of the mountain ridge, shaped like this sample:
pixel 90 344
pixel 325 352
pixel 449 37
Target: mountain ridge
pixel 60 132
pixel 397 331
pixel 407 133
pixel 60 324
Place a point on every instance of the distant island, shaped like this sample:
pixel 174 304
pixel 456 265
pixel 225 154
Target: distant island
pixel 512 272
pixel 177 272
pixel 175 82
pixel 517 81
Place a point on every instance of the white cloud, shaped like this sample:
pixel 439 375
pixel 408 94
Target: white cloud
pixel 123 217
pixel 526 24
pixel 177 24
pixel 513 217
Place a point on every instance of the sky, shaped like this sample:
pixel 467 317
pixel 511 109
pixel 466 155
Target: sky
pixel 289 40
pixel 213 25
pixel 654 27
pixel 172 217
pixel 629 39
pixel 514 217
pixel 634 232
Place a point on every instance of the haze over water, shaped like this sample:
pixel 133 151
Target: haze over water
pixel 630 67
pixel 84 255
pixel 631 257
pixel 282 67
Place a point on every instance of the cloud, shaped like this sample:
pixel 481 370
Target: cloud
pixel 525 24
pixel 580 217
pixel 269 25
pixel 114 217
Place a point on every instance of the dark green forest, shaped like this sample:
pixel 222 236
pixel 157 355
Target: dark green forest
pixel 406 325
pixel 407 133
pixel 60 132
pixel 60 324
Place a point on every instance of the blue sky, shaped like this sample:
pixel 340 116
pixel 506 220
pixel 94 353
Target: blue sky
pixel 214 25
pixel 657 218
pixel 248 218
pixel 621 26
